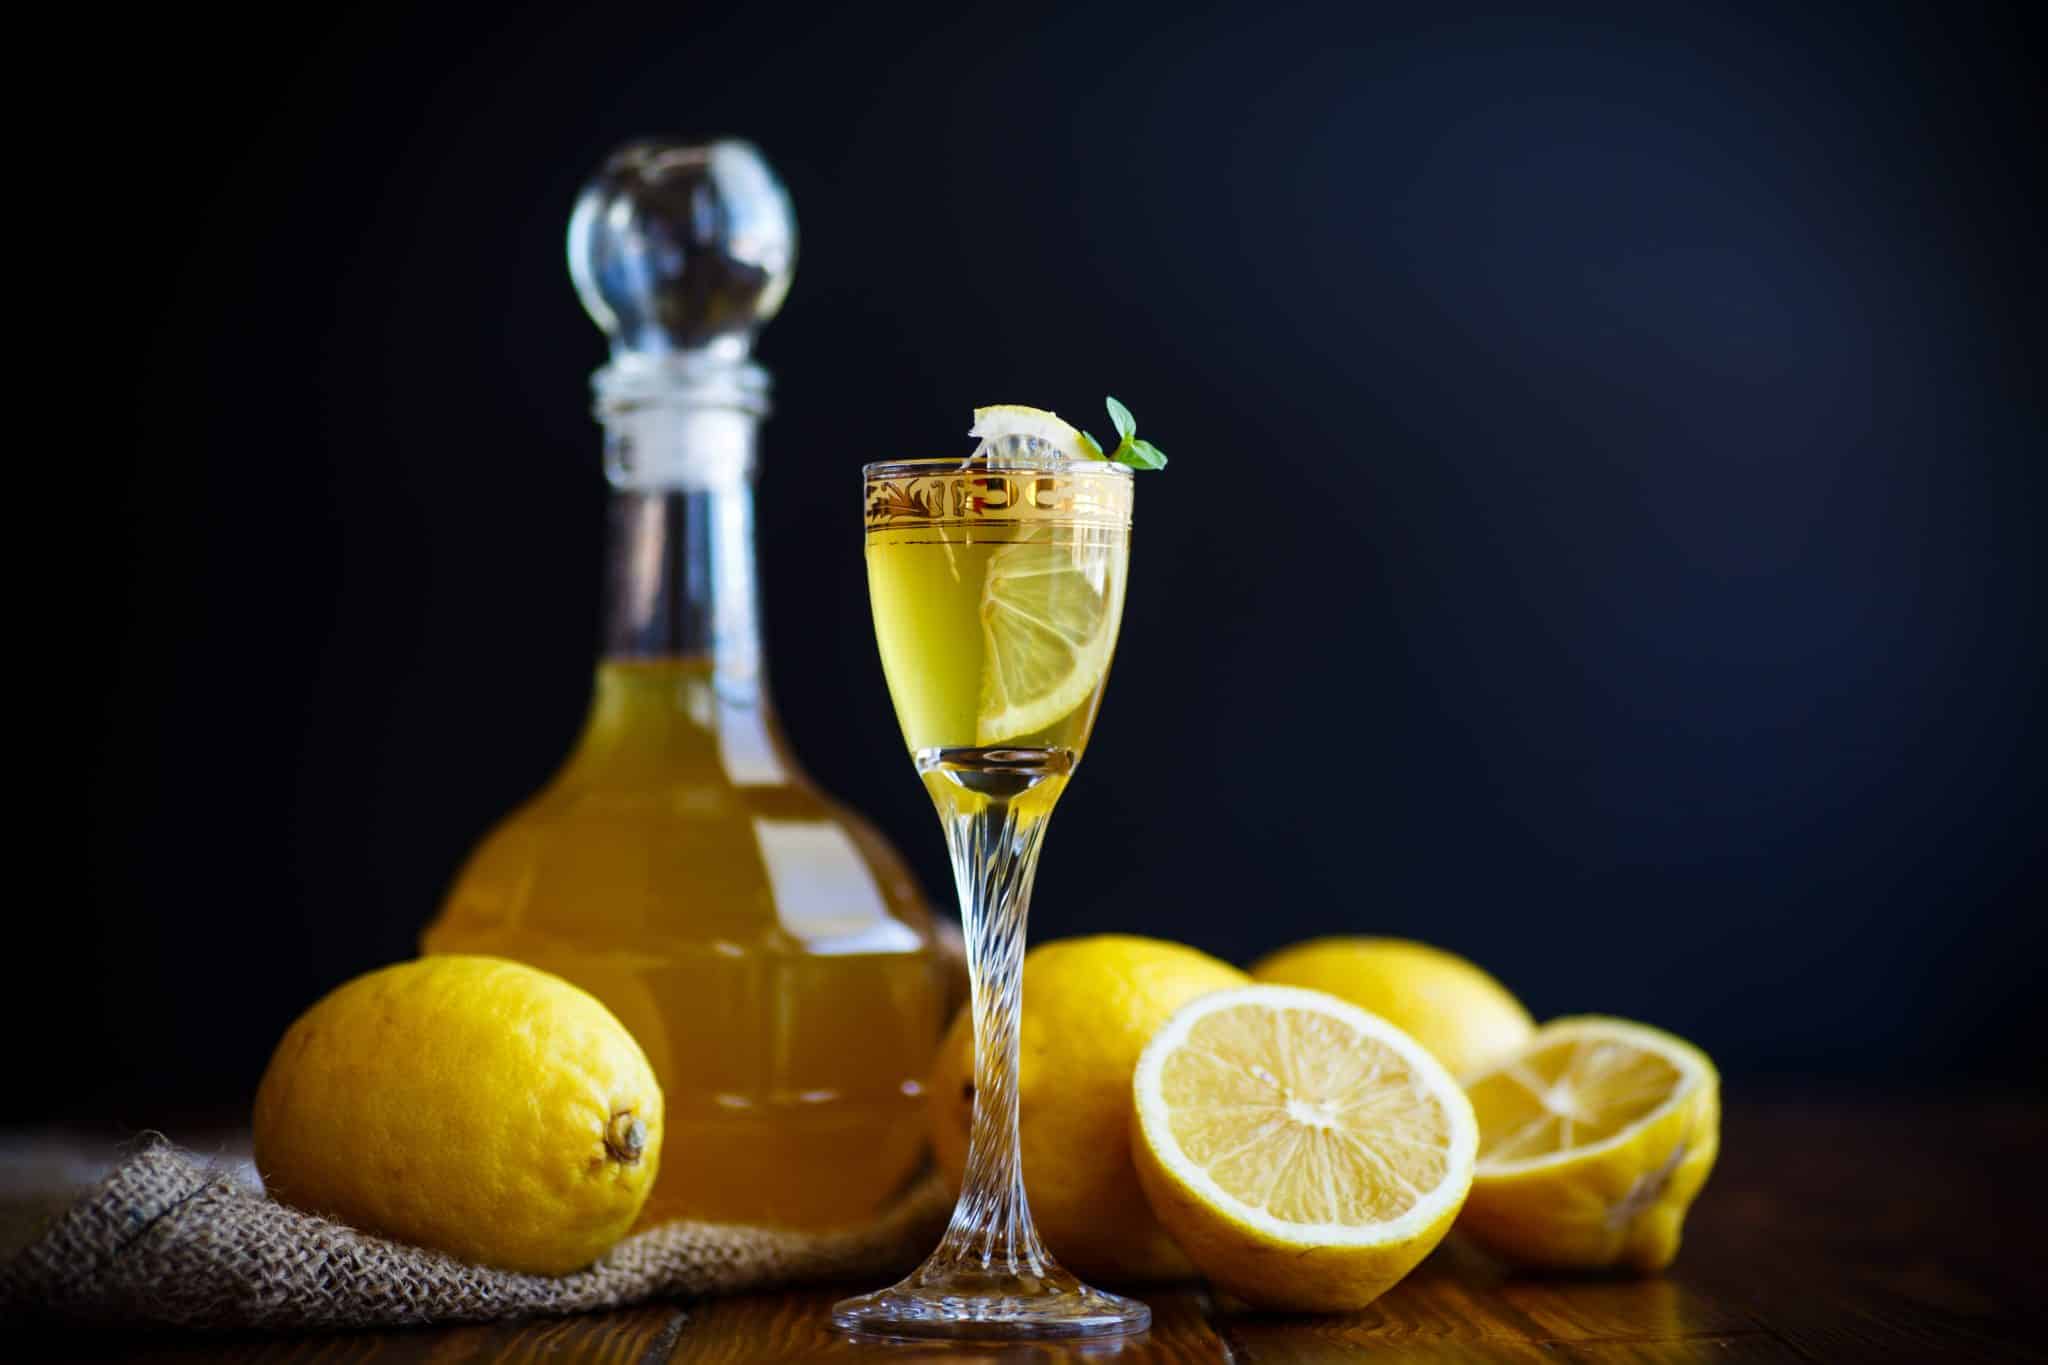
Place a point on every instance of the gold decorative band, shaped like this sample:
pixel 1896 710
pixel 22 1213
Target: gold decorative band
pixel 1070 499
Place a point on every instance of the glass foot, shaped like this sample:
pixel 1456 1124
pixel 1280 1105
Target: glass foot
pixel 976 1304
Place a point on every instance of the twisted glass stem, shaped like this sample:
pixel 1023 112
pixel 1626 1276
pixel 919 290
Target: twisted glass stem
pixel 994 847
pixel 991 1275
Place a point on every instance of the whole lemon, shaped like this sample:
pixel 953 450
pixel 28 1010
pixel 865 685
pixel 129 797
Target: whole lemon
pixel 469 1104
pixel 1090 1006
pixel 1463 1016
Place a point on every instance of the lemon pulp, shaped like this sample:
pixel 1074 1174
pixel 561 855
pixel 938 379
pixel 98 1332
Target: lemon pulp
pixel 1574 1092
pixel 1595 1137
pixel 1273 1122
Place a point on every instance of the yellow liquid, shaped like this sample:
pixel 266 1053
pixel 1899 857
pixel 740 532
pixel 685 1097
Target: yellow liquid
pixel 982 621
pixel 767 949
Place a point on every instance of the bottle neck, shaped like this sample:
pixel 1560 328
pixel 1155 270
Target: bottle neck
pixel 679 451
pixel 679 582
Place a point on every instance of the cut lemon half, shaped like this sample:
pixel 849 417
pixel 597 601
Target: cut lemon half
pixel 1048 628
pixel 1304 1153
pixel 1014 419
pixel 1594 1136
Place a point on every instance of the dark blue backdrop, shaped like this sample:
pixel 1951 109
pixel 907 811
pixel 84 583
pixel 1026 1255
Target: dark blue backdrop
pixel 1600 536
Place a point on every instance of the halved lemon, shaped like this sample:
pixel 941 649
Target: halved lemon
pixel 1304 1153
pixel 1048 629
pixel 1594 1137
pixel 995 422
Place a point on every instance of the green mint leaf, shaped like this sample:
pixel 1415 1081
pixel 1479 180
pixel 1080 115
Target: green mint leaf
pixel 1126 425
pixel 1141 455
pixel 1093 445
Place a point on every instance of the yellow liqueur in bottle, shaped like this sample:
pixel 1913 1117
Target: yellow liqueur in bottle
pixel 767 948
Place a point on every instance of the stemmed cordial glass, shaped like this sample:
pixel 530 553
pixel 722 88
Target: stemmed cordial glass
pixel 997 587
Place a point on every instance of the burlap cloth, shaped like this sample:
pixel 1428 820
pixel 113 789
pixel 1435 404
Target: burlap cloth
pixel 171 1239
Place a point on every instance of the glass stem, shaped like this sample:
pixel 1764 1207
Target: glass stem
pixel 994 841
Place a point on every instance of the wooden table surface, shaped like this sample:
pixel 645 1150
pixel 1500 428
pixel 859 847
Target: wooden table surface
pixel 1840 1232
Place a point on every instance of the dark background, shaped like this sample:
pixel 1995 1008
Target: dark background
pixel 1600 537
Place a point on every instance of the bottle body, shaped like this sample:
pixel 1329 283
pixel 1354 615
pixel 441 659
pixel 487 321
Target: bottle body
pixel 768 949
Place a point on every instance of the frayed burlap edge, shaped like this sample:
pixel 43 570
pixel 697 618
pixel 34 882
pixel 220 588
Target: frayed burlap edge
pixel 169 1239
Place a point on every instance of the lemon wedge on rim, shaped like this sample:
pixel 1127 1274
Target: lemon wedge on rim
pixel 999 420
pixel 1595 1136
pixel 1304 1154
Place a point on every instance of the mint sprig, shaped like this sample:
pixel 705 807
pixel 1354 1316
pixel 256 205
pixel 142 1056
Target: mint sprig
pixel 1129 450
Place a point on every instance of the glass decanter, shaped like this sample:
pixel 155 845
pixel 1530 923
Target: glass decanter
pixel 769 950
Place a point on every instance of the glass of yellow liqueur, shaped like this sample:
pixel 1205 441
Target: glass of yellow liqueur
pixel 998 585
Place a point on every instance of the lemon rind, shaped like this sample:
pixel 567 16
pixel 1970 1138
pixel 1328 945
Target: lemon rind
pixel 1693 1065
pixel 1449 1193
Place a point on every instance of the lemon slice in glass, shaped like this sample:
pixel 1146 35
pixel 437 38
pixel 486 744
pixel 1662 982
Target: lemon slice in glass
pixel 1002 420
pixel 1304 1153
pixel 1047 633
pixel 1594 1137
